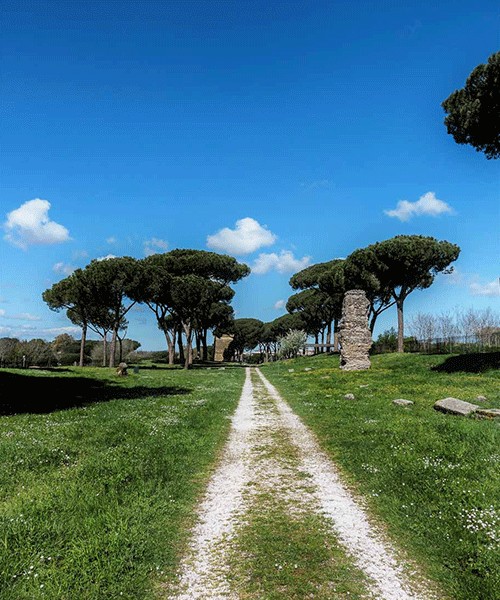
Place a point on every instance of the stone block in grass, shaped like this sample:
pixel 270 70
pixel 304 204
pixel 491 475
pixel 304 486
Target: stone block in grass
pixel 403 402
pixel 454 406
pixel 491 413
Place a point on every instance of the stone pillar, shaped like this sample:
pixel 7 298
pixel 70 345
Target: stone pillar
pixel 220 344
pixel 354 335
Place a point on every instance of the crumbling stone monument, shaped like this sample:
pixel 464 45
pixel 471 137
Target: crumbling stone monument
pixel 122 369
pixel 354 335
pixel 220 344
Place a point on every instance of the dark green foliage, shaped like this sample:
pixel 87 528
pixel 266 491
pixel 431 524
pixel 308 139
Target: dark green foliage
pixel 314 307
pixel 386 342
pixel 248 333
pixel 390 270
pixel 473 112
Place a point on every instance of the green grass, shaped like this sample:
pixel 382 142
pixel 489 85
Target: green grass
pixel 433 478
pixel 100 476
pixel 293 557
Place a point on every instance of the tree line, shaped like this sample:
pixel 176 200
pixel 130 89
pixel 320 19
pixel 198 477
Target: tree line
pixel 189 293
pixel 64 350
pixel 388 272
pixel 187 290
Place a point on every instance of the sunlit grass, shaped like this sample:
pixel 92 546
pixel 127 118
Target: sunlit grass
pixel 434 478
pixel 96 500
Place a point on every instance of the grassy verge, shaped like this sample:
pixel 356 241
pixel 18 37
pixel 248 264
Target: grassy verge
pixel 96 499
pixel 433 478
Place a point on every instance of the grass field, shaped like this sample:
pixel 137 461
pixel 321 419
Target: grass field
pixel 95 499
pixel 433 478
pixel 100 474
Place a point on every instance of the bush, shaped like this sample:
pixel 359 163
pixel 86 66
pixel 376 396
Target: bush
pixel 292 343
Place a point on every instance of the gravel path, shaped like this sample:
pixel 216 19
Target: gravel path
pixel 245 469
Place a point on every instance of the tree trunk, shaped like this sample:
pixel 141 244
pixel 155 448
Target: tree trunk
pixel 112 349
pixel 198 342
pixel 170 346
pixel 181 346
pixel 336 335
pixel 399 305
pixel 329 336
pixel 82 345
pixel 189 345
pixel 204 345
pixel 104 348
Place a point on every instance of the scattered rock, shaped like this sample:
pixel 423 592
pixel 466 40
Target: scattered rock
pixel 455 406
pixel 481 399
pixel 364 385
pixel 291 370
pixel 122 369
pixel 307 369
pixel 488 412
pixel 403 402
pixel 349 396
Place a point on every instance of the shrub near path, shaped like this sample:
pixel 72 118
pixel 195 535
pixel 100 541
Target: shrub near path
pixel 434 479
pixel 95 499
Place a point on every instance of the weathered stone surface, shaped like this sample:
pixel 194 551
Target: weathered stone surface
pixel 122 369
pixel 455 406
pixel 403 402
pixel 349 396
pixel 220 344
pixel 354 334
pixel 488 412
pixel 481 399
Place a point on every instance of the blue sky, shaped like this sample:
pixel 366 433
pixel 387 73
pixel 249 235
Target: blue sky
pixel 282 133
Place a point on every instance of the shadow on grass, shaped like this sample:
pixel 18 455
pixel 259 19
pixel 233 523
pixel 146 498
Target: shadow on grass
pixel 210 364
pixel 470 363
pixel 24 394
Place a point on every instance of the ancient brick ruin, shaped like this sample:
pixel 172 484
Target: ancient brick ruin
pixel 221 344
pixel 354 335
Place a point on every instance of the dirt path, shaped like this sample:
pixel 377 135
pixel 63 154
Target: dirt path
pixel 271 454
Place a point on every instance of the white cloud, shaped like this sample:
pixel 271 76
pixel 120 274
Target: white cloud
pixel 22 317
pixel 284 262
pixel 60 267
pixel 30 225
pixel 249 235
pixel 111 240
pixel 488 289
pixel 154 245
pixel 473 283
pixel 279 304
pixel 107 257
pixel 29 333
pixel 427 204
pixel 2 312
